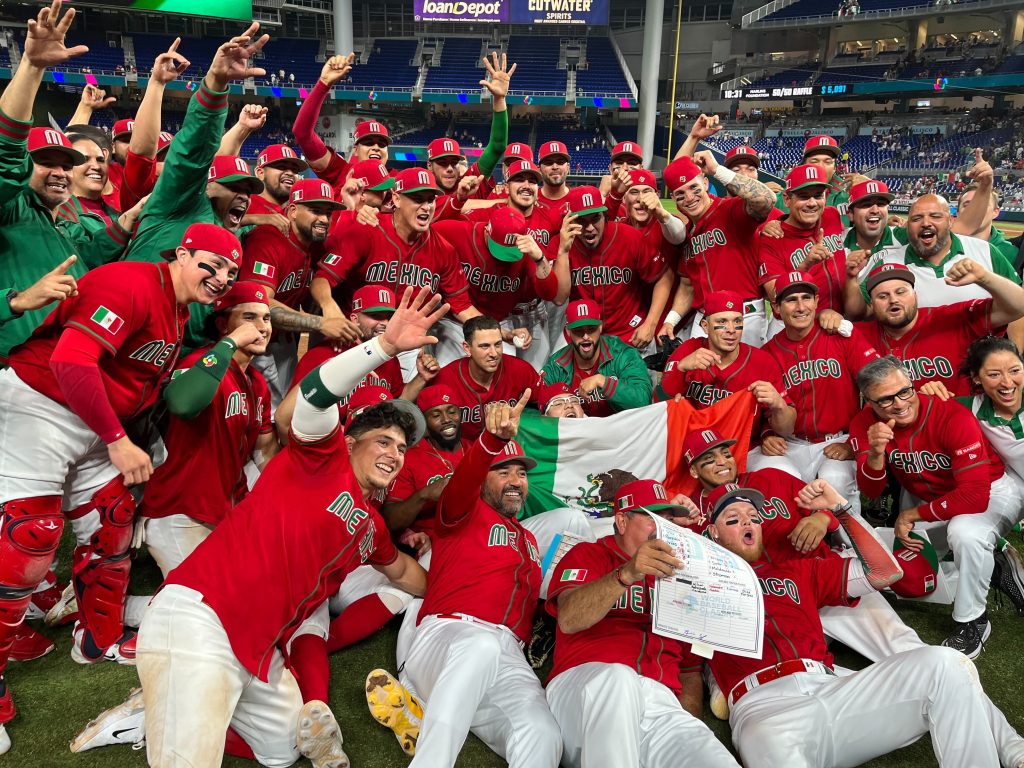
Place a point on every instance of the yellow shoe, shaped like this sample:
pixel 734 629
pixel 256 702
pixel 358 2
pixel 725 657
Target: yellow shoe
pixel 394 706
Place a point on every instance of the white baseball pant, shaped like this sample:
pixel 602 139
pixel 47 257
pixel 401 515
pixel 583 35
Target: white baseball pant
pixel 820 721
pixel 807 461
pixel 534 319
pixel 193 688
pixel 278 365
pixel 367 580
pixel 611 717
pixel 173 538
pixel 472 676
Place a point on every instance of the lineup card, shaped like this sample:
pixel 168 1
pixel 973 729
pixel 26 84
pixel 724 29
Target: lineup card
pixel 713 602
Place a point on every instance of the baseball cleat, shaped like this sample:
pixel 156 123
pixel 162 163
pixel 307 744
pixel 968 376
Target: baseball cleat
pixel 716 698
pixel 319 736
pixel 85 651
pixel 394 706
pixel 63 610
pixel 42 601
pixel 1008 575
pixel 122 724
pixel 969 636
pixel 29 644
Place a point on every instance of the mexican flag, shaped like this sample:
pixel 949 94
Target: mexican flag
pixel 580 462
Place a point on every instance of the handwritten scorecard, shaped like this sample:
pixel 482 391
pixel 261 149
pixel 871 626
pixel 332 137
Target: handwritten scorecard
pixel 713 602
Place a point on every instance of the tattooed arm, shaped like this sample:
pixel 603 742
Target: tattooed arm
pixel 284 318
pixel 759 200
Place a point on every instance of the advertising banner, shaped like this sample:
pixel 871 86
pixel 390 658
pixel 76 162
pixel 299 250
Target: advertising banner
pixel 462 10
pixel 594 12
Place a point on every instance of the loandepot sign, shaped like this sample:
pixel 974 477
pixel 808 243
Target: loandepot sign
pixel 514 11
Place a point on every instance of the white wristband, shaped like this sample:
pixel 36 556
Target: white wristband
pixel 673 318
pixel 724 175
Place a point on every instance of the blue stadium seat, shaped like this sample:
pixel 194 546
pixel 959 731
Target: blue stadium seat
pixel 602 76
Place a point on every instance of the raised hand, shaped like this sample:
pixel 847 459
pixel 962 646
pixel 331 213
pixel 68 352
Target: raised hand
pixel 44 43
pixel 252 117
pixel 879 435
pixel 571 228
pixel 336 69
pixel 706 161
pixel 653 558
pixel 700 360
pixel 468 185
pixel 245 334
pixel 855 261
pixel 705 126
pixel 502 419
pixel 817 253
pixel 500 75
pixel 621 181
pixel 965 272
pixel 231 62
pixel 980 168
pixel 168 65
pixel 427 366
pixel 412 321
pixel 818 494
pixel 55 285
pixel 95 98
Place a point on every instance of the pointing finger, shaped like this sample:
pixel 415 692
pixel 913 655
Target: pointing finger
pixel 63 267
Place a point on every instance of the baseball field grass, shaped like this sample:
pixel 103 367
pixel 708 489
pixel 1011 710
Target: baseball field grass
pixel 56 697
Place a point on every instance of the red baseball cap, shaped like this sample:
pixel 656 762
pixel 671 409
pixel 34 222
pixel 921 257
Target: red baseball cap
pixel 374 298
pixel 163 143
pixel 722 301
pixel 212 238
pixel 123 127
pixel 374 175
pixel 700 441
pixel 680 172
pixel 512 453
pixel 551 148
pixel 582 312
pixel 792 281
pixel 436 396
pixel 742 153
pixel 523 167
pixel 281 156
pixel 818 145
pixel 886 271
pixel 443 147
pixel 308 191
pixel 50 139
pixel 242 292
pixel 724 495
pixel 232 169
pixel 643 495
pixel 364 398
pixel 630 148
pixel 412 180
pixel 371 128
pixel 919 568
pixel 805 176
pixel 641 177
pixel 868 190
pixel 582 201
pixel 518 151
pixel 548 392
pixel 507 224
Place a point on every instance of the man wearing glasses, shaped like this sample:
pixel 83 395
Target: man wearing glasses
pixel 936 449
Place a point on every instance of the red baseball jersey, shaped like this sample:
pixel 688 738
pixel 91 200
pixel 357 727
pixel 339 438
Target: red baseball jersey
pixel 624 635
pixel 718 253
pixel 425 463
pixel 378 256
pixel 557 206
pixel 613 275
pixel 819 373
pixel 446 209
pixel 777 256
pixel 793 592
pixel 387 375
pixel 130 309
pixel 543 223
pixel 483 564
pixel 280 262
pixel 933 349
pixel 497 286
pixel 510 381
pixel 780 515
pixel 202 477
pixel 289 544
pixel 138 179
pixel 707 387
pixel 259 205
pixel 943 458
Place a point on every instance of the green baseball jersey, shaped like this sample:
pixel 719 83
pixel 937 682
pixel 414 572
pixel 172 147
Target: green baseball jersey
pixel 628 385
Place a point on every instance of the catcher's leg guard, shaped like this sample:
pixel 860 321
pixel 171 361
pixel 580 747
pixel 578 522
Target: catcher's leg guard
pixel 101 567
pixel 29 533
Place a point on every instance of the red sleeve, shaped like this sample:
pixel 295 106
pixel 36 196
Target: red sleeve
pixel 448 207
pixel 771 265
pixel 673 380
pixel 384 552
pixel 304 129
pixel 583 564
pixel 545 287
pixel 263 391
pixel 870 481
pixel 614 204
pixel 859 352
pixel 453 286
pixel 75 365
pixel 479 215
pixel 460 496
pixel 828 577
pixel 979 317
pixel 343 255
pixel 650 264
pixel 138 180
pixel 262 255
pixel 452 229
pixel 963 442
pixel 107 312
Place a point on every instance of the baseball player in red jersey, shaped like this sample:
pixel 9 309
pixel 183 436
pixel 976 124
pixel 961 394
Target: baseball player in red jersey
pixel 937 451
pixel 609 262
pixel 718 253
pixel 278 167
pixel 616 687
pixel 625 155
pixel 553 161
pixel 932 341
pixel 819 373
pixel 96 362
pixel 924 690
pixel 308 517
pixel 812 239
pixel 513 153
pixel 467 660
pixel 485 375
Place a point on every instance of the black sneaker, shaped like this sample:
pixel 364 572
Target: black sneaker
pixel 969 636
pixel 542 642
pixel 1008 575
